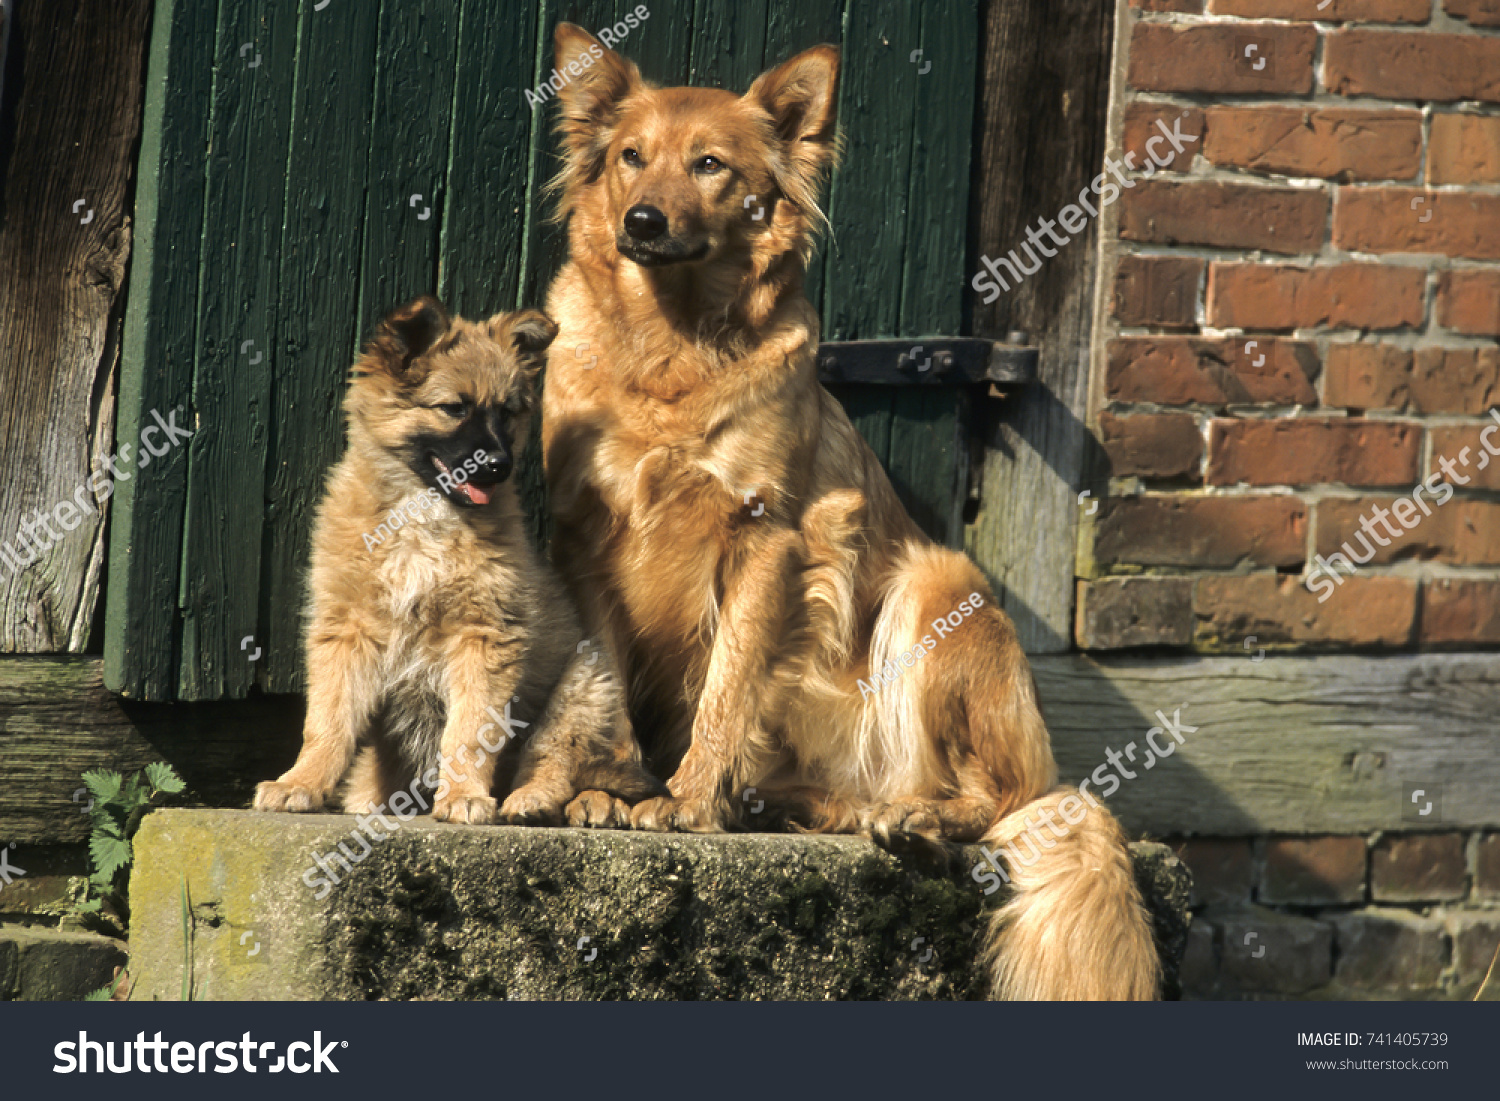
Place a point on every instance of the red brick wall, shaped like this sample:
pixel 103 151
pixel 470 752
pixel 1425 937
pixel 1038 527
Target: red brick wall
pixel 1394 915
pixel 1299 323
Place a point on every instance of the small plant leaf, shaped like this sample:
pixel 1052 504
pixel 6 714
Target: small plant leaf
pixel 109 855
pixel 118 806
pixel 187 943
pixel 103 786
pixel 163 778
pixel 133 795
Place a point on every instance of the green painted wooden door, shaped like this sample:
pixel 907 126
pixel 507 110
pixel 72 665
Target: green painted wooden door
pixel 302 170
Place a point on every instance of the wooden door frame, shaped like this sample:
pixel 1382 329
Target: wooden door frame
pixel 1044 72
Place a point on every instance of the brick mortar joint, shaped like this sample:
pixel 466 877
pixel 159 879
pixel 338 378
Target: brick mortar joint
pixel 1439 22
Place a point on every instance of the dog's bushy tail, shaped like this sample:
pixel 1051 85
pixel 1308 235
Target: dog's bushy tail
pixel 1075 928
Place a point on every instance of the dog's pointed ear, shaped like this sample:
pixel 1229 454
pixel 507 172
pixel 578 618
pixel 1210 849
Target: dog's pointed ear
pixel 528 332
pixel 406 332
pixel 417 325
pixel 590 100
pixel 801 96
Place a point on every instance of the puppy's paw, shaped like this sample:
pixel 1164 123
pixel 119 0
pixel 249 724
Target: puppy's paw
pixel 462 809
pixel 684 815
pixel 531 806
pixel 280 795
pixel 902 823
pixel 598 810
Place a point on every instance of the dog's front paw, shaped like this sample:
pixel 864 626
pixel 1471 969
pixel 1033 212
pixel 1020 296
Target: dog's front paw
pixel 902 823
pixel 471 810
pixel 280 795
pixel 687 815
pixel 598 810
pixel 531 806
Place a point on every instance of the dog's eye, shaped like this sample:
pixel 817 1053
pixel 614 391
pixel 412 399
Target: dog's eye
pixel 707 166
pixel 632 158
pixel 456 409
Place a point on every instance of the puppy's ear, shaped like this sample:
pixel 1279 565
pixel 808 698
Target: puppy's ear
pixel 800 95
pixel 532 331
pixel 528 332
pixel 405 333
pixel 590 104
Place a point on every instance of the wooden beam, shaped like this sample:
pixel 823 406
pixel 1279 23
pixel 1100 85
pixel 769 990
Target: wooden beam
pixel 237 345
pixel 66 163
pixel 1043 94
pixel 142 620
pixel 57 722
pixel 316 337
pixel 1285 744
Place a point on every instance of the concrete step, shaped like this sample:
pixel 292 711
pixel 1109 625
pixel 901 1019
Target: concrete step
pixel 39 964
pixel 455 912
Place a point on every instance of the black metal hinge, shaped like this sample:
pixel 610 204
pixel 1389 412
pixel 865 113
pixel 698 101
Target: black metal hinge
pixel 927 361
pixel 963 364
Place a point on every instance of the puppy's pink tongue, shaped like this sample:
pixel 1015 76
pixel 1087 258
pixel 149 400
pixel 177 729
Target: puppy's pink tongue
pixel 475 494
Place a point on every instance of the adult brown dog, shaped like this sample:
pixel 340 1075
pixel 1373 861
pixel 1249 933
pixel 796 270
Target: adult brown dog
pixel 731 535
pixel 435 636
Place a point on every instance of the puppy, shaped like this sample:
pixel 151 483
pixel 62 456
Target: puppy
pixel 435 636
pixel 738 546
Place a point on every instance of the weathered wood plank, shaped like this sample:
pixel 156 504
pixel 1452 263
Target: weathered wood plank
pixel 877 105
pixel 57 721
pixel 791 27
pixel 921 174
pixel 7 17
pixel 62 267
pixel 412 117
pixel 869 409
pixel 861 299
pixel 160 342
pixel 662 46
pixel 924 456
pixel 484 219
pixel 237 320
pixel 1285 745
pixel 316 334
pixel 1043 99
pixel 729 43
pixel 937 206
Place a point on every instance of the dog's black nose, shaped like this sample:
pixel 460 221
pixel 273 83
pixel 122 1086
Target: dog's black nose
pixel 496 468
pixel 645 223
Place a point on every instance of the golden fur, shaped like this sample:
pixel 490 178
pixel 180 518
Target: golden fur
pixel 730 535
pixel 426 623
